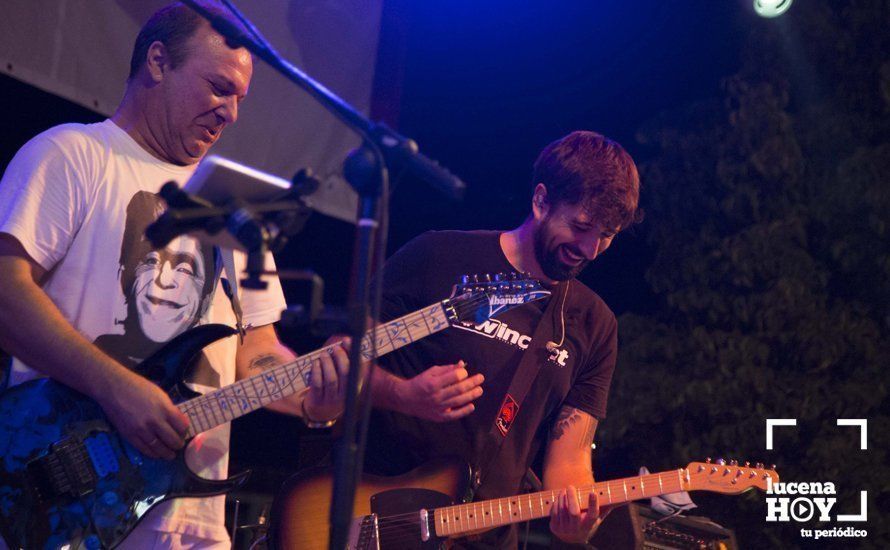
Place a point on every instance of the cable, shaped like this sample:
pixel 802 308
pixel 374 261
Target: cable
pixel 551 345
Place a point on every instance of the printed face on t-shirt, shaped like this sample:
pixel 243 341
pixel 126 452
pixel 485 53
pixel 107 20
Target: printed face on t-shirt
pixel 167 289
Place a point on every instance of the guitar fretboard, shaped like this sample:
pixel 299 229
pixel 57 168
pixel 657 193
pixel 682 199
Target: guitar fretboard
pixel 247 395
pixel 464 518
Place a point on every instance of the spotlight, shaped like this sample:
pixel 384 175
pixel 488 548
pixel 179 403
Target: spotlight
pixel 771 8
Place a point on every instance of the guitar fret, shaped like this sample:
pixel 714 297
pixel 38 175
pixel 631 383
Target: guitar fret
pixel 204 421
pixel 256 390
pixel 459 520
pixel 226 404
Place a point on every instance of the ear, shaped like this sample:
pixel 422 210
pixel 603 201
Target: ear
pixel 157 61
pixel 540 204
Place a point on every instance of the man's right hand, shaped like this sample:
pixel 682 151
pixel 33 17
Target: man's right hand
pixel 146 417
pixel 440 393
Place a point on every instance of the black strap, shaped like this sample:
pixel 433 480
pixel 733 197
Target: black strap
pixel 526 373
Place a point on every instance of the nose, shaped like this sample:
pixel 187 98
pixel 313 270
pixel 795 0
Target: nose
pixel 228 111
pixel 592 247
pixel 165 278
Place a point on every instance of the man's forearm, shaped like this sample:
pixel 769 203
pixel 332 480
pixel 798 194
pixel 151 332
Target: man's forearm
pixel 34 330
pixel 384 389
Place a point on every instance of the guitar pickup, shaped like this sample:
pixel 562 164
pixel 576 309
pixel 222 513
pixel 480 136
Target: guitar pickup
pixel 65 471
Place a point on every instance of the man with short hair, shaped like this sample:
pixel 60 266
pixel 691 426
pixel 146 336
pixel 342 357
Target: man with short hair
pixel 69 278
pixel 586 189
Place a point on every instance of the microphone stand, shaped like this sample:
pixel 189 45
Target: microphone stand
pixel 366 170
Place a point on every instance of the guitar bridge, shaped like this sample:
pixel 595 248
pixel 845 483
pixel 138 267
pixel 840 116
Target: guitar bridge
pixel 67 470
pixel 364 533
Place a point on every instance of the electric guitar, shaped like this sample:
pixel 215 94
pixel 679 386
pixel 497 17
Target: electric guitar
pixel 69 480
pixel 416 510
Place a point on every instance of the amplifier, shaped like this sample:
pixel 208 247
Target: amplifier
pixel 638 527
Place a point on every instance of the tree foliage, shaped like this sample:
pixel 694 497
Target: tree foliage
pixel 769 211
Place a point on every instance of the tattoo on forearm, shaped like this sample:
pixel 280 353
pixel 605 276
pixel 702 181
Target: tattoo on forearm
pixel 589 431
pixel 567 417
pixel 263 362
pixel 570 416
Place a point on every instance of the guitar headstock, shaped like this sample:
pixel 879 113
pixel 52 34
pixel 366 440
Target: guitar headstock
pixel 729 477
pixel 478 297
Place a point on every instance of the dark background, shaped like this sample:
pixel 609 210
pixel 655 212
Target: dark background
pixel 762 146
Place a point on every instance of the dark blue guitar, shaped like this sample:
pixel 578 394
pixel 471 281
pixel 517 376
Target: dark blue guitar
pixel 67 479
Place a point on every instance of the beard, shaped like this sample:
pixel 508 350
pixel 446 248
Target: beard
pixel 549 260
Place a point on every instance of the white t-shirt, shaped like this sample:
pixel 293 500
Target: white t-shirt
pixel 78 198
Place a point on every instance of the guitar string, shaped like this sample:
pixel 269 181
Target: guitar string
pixel 410 516
pixel 195 405
pixel 674 477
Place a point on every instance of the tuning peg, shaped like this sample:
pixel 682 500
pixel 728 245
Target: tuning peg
pixel 486 277
pixel 721 462
pixel 747 464
pixel 773 467
pixel 708 460
pixel 759 465
pixel 498 277
pixel 464 279
pixel 733 462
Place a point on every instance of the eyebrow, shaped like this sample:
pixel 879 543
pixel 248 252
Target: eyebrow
pixel 225 84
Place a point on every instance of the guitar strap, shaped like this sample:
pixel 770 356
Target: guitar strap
pixel 535 356
pixel 230 286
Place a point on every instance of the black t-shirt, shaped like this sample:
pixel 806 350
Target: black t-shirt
pixel 577 375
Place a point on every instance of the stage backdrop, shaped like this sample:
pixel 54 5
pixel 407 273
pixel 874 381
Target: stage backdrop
pixel 80 50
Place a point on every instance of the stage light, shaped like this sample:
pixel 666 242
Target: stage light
pixel 771 8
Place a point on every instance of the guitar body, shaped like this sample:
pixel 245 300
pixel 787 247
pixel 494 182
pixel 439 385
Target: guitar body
pixel 68 478
pixel 300 514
